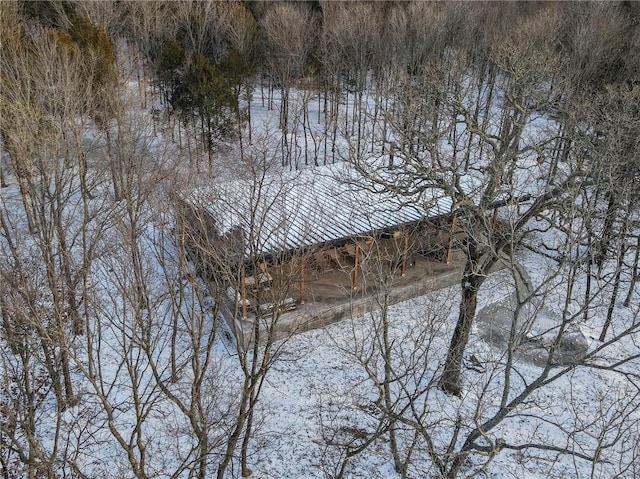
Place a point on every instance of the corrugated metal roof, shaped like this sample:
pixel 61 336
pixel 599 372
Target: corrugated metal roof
pixel 312 207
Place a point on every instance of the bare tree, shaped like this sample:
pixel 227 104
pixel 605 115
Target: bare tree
pixel 238 234
pixel 400 378
pixel 515 148
pixel 204 25
pixel 49 230
pixel 243 34
pixel 399 404
pixel 152 332
pixel 288 28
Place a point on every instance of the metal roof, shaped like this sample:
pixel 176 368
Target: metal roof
pixel 282 212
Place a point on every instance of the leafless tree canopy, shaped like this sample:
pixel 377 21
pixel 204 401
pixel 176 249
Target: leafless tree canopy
pixel 130 345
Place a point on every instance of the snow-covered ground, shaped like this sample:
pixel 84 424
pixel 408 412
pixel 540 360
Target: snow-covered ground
pixel 318 387
pixel 319 395
pixel 322 395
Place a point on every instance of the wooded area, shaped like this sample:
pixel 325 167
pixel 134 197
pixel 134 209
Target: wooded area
pixel 526 114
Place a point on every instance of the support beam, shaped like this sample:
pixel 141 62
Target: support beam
pixel 302 262
pixel 354 278
pixel 450 248
pixel 405 251
pixel 243 291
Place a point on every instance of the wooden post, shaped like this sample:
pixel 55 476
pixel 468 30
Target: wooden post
pixel 405 251
pixel 354 280
pixel 302 261
pixel 453 227
pixel 243 291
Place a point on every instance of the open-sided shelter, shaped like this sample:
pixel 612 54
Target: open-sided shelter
pixel 327 215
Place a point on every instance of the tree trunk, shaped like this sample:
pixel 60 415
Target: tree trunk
pixel 234 437
pixel 244 447
pixel 607 230
pixel 399 466
pixel 471 282
pixel 616 286
pixel 634 275
pixel 3 181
